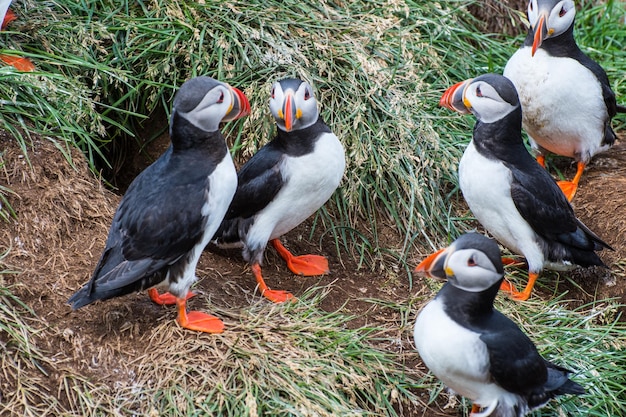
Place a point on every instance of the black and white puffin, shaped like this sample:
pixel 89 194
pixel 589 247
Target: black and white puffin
pixel 284 183
pixel 566 97
pixel 173 208
pixel 514 198
pixel 475 350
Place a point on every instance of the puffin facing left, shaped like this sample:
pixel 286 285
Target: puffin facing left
pixel 474 349
pixel 173 207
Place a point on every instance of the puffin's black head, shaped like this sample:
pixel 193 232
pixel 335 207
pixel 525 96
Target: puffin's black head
pixel 471 263
pixel 489 97
pixel 205 102
pixel 293 104
pixel 549 19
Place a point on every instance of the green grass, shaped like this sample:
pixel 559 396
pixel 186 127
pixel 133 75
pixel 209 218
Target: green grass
pixel 105 69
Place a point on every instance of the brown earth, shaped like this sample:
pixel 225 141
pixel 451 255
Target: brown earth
pixel 63 219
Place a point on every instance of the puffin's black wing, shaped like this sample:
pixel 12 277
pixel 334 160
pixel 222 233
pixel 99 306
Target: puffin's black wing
pixel 148 232
pixel 542 204
pixel 515 363
pixel 259 180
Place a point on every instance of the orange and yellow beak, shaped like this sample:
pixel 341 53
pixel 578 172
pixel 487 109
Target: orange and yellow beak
pixel 240 107
pixel 433 265
pixel 289 111
pixel 540 34
pixel 453 98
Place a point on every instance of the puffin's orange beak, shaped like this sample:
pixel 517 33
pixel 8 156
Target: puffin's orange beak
pixel 241 106
pixel 539 35
pixel 432 266
pixel 452 98
pixel 289 112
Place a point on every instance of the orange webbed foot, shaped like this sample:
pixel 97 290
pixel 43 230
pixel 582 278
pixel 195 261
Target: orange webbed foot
pixel 166 299
pixel 197 320
pixel 520 296
pixel 306 265
pixel 277 296
pixel 569 189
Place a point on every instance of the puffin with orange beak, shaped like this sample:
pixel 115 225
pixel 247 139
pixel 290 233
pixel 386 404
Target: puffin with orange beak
pixel 475 350
pixel 559 118
pixel 284 183
pixel 514 198
pixel 172 209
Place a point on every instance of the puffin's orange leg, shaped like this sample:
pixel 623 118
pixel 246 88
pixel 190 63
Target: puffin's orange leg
pixel 165 299
pixel 541 160
pixel 307 265
pixel 569 187
pixel 197 320
pixel 524 295
pixel 475 409
pixel 277 296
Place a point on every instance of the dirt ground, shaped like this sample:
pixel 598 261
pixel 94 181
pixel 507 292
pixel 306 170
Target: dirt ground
pixel 63 219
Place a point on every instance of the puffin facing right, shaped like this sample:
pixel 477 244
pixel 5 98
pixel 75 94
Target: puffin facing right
pixel 173 207
pixel 512 196
pixel 475 350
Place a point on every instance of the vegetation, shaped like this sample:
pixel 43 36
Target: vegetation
pixel 107 70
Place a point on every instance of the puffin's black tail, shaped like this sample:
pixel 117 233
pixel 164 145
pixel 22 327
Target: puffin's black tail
pixel 558 383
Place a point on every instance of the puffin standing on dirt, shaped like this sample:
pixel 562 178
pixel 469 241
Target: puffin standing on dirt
pixel 173 208
pixel 514 198
pixel 566 97
pixel 474 349
pixel 284 183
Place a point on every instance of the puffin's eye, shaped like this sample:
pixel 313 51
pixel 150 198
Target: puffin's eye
pixel 221 99
pixel 307 94
pixel 273 91
pixel 530 6
pixel 478 92
pixel 471 261
pixel 562 12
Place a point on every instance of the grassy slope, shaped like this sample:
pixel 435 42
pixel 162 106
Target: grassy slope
pixel 379 70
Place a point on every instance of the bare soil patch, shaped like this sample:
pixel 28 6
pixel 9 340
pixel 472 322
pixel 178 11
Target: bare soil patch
pixel 63 218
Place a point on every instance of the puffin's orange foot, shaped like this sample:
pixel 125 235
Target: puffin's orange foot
pixel 201 322
pixel 511 261
pixel 20 63
pixel 507 287
pixel 308 265
pixel 165 299
pixel 569 188
pixel 278 296
pixel 524 295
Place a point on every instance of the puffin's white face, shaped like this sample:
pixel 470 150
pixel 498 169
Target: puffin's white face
pixel 482 99
pixel 471 270
pixel 214 107
pixel 293 104
pixel 205 102
pixel 556 18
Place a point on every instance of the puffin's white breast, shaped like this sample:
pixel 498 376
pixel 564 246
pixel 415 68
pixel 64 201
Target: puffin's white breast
pixel 486 187
pixel 562 104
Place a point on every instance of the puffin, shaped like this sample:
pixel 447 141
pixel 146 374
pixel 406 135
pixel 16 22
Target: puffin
pixel 566 97
pixel 513 197
pixel 6 17
pixel 474 349
pixel 284 183
pixel 172 208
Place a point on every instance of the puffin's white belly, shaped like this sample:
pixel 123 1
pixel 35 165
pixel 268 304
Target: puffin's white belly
pixel 562 104
pixel 310 180
pixel 486 187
